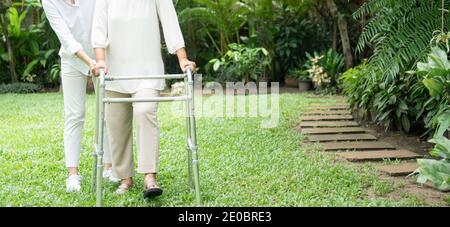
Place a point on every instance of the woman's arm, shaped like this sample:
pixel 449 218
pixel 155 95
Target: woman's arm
pixel 86 59
pixel 171 28
pixel 100 35
pixel 184 61
pixel 101 62
pixel 172 33
pixel 64 34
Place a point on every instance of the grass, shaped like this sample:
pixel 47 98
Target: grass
pixel 447 200
pixel 241 163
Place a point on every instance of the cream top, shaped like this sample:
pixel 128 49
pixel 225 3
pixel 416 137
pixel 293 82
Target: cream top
pixel 72 24
pixel 129 31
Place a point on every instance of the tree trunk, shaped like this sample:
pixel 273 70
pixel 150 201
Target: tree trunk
pixel 223 47
pixel 334 37
pixel 343 30
pixel 12 64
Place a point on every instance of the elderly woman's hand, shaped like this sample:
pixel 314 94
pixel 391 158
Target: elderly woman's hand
pixel 186 63
pixel 100 65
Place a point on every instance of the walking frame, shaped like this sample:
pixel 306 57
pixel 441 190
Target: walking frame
pixel 102 100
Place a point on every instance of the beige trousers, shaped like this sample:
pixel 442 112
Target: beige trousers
pixel 119 126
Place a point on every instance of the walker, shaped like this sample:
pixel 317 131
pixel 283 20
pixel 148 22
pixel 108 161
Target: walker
pixel 102 100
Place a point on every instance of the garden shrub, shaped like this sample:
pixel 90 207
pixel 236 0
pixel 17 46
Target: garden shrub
pixel 431 92
pixel 359 86
pixel 20 88
pixel 324 70
pixel 437 171
pixel 240 63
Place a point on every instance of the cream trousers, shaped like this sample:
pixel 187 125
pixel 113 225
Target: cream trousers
pixel 74 90
pixel 119 125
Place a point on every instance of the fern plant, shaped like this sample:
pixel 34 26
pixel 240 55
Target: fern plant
pixel 399 32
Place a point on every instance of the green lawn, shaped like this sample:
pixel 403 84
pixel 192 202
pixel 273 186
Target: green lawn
pixel 241 164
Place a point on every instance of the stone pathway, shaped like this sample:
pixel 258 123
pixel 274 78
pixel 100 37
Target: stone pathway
pixel 331 125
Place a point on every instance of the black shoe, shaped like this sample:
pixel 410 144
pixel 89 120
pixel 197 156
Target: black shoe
pixel 152 192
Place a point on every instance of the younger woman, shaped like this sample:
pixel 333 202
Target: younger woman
pixel 72 22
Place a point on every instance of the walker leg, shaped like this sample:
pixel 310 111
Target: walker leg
pixel 96 134
pixel 188 134
pixel 190 173
pixel 101 129
pixel 192 139
pixel 99 180
pixel 195 169
pixel 94 170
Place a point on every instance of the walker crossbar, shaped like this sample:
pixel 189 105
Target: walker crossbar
pixel 156 99
pixel 191 143
pixel 155 77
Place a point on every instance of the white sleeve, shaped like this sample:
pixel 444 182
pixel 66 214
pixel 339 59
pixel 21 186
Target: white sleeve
pixel 100 25
pixel 169 20
pixel 60 27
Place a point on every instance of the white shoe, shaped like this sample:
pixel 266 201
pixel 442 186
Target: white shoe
pixel 73 183
pixel 108 174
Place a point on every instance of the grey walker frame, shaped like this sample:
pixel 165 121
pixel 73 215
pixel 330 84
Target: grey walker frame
pixel 102 100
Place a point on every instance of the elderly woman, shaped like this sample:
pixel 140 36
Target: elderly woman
pixel 126 40
pixel 72 22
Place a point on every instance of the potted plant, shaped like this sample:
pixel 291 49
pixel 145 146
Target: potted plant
pixel 291 79
pixel 304 82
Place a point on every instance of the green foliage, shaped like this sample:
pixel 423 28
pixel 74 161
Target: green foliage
pixel 436 78
pixel 432 91
pixel 281 27
pixel 222 17
pixel 399 33
pixel 35 46
pixel 20 88
pixel 436 73
pixel 437 171
pixel 299 74
pixel 294 37
pixel 370 95
pixel 241 63
pixel 390 102
pixel 358 87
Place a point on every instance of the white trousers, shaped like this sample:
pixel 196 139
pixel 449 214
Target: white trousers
pixel 74 89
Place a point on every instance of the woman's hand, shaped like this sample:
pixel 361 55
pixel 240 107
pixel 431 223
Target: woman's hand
pixel 100 65
pixel 186 63
pixel 92 66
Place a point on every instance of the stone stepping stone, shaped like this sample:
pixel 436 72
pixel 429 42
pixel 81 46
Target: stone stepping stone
pixel 402 169
pixel 336 107
pixel 331 112
pixel 329 103
pixel 326 97
pixel 327 118
pixel 341 137
pixel 313 124
pixel 315 131
pixel 362 156
pixel 352 146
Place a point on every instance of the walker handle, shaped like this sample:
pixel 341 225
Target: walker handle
pixel 189 73
pixel 101 77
